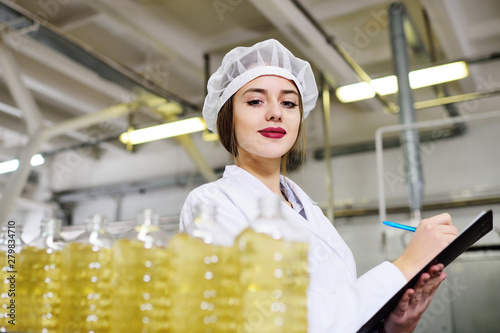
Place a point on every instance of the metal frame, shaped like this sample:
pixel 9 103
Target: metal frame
pixel 396 128
pixel 18 179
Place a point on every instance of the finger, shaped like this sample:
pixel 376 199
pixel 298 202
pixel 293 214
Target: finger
pixel 419 287
pixel 404 302
pixel 447 229
pixel 438 234
pixel 422 280
pixel 443 233
pixel 436 270
pixel 432 285
pixel 443 218
pixel 442 229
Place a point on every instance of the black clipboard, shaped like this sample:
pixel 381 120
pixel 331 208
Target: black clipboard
pixel 471 234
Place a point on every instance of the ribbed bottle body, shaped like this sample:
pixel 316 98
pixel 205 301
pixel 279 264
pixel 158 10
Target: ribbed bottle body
pixel 274 279
pixel 87 291
pixel 40 266
pixel 40 290
pixel 86 277
pixel 203 286
pixel 274 272
pixel 140 302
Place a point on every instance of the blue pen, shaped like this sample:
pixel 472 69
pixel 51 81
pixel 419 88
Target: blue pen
pixel 400 226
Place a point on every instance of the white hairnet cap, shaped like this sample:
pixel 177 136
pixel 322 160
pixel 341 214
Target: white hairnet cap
pixel 243 64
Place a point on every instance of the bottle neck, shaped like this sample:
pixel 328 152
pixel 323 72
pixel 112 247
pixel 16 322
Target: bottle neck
pixel 95 223
pixel 50 236
pixel 148 230
pixel 51 227
pixel 206 228
pixel 147 217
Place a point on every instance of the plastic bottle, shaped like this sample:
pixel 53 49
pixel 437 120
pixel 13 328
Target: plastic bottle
pixel 40 280
pixel 204 277
pixel 86 278
pixel 140 302
pixel 11 244
pixel 274 274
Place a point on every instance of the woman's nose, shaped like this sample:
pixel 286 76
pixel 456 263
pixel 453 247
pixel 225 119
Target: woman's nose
pixel 274 112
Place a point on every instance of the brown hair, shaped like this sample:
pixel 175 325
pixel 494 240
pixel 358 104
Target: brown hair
pixel 291 161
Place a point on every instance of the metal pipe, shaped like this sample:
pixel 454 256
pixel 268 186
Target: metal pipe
pixel 379 148
pixel 409 137
pixel 206 59
pixel 455 99
pixel 423 124
pixel 325 99
pixel 435 206
pixel 390 142
pixel 457 129
pixel 122 189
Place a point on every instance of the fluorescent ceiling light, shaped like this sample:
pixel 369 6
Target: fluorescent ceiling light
pixel 389 84
pixel 12 165
pixel 163 131
pixel 438 74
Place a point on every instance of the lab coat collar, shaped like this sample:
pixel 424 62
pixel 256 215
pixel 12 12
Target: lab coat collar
pixel 249 182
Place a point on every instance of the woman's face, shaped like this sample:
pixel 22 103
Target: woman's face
pixel 266 116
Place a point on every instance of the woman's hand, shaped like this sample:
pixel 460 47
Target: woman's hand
pixel 430 238
pixel 404 318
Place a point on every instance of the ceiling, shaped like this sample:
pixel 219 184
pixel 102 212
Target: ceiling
pixel 169 46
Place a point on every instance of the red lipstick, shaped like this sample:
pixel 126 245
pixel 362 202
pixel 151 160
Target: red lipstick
pixel 273 132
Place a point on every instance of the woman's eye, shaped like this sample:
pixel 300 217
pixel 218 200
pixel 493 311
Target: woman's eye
pixel 254 102
pixel 289 105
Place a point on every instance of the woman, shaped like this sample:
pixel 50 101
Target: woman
pixel 256 102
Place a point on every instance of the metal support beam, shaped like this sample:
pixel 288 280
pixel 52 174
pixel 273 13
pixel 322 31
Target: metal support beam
pixel 325 99
pixel 409 137
pixel 187 143
pixel 65 65
pixel 112 112
pixel 457 129
pixel 109 70
pixel 18 179
pixel 20 93
pixel 345 56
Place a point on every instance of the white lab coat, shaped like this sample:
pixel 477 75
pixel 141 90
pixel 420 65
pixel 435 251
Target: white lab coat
pixel 337 300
